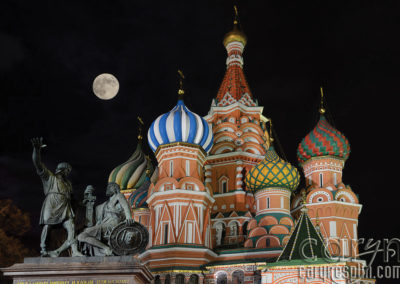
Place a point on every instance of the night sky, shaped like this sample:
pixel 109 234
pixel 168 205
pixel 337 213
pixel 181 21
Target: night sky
pixel 51 51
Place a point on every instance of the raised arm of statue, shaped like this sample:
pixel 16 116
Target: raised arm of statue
pixel 37 144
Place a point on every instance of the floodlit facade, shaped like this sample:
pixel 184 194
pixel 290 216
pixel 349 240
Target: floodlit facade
pixel 222 206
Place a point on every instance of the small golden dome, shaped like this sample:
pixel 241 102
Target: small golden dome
pixel 235 35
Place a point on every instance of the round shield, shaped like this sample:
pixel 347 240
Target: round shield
pixel 128 238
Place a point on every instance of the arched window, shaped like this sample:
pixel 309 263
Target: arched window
pixel 194 279
pixel 171 168
pixel 244 228
pixel 157 280
pixel 321 180
pixel 223 185
pixel 168 279
pixel 233 228
pixel 220 233
pixel 238 277
pixel 222 278
pixel 166 233
pixel 180 279
pixel 187 168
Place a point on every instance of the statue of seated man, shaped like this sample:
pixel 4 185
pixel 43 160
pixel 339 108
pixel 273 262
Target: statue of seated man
pixel 108 215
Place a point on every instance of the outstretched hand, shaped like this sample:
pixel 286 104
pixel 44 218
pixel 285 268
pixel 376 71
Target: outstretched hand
pixel 37 143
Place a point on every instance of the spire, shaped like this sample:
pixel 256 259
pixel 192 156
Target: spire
pixel 271 139
pixel 321 108
pixel 181 91
pixel 140 128
pixel 235 22
pixel 305 243
pixel 235 34
pixel 234 87
pixel 304 202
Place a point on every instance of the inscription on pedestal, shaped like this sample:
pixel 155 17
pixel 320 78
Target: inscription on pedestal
pixel 98 281
pixel 79 270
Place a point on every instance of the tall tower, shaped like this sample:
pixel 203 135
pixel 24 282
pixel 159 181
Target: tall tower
pixel 273 181
pixel 322 155
pixel 238 146
pixel 180 204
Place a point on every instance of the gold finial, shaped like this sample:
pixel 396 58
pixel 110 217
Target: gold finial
pixel 321 109
pixel 235 21
pixel 303 197
pixel 140 137
pixel 181 91
pixel 304 201
pixel 148 171
pixel 235 34
pixel 266 135
pixel 271 139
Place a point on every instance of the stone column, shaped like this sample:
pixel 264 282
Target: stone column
pixel 239 175
pixel 208 178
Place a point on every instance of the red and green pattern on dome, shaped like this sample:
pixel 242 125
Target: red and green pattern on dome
pixel 323 140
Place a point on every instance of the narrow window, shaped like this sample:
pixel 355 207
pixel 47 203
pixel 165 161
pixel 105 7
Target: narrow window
pixel 332 228
pixel 335 179
pixel 171 168
pixel 282 202
pixel 189 234
pixel 355 232
pixel 268 202
pixel 345 247
pixel 320 180
pixel 166 233
pixel 268 242
pixel 224 186
pixel 187 168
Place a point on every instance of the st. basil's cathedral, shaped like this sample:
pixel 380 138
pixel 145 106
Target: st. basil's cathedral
pixel 221 206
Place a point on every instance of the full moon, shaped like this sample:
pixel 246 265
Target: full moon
pixel 105 86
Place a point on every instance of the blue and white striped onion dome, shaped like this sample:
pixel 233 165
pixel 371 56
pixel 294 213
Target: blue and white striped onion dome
pixel 180 125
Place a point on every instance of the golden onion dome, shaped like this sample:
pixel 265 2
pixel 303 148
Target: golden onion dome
pixel 235 35
pixel 272 172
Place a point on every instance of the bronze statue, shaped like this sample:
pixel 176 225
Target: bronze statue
pixel 108 215
pixel 56 207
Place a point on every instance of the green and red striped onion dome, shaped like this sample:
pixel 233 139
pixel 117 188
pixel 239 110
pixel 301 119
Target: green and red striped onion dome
pixel 323 140
pixel 132 173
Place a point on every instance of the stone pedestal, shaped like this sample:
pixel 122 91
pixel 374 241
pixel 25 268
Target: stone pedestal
pixel 79 270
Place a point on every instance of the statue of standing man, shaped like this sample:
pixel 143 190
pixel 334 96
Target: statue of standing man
pixel 56 207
